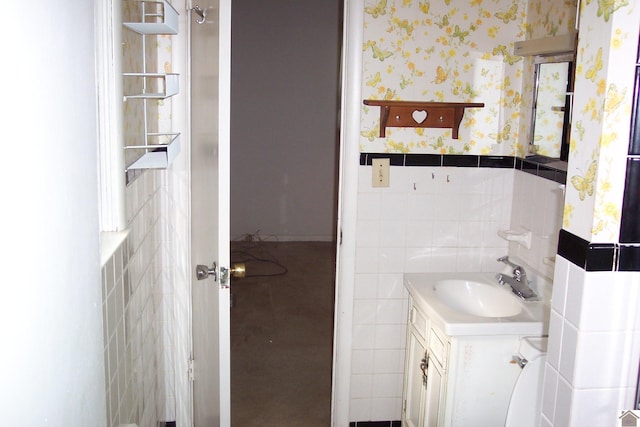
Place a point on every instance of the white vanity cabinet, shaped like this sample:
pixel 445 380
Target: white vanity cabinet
pixel 424 372
pixel 455 381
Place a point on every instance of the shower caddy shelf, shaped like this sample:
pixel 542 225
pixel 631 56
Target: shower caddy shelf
pixel 167 81
pixel 417 114
pixel 160 149
pixel 165 21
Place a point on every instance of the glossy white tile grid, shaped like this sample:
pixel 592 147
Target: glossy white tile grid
pixel 131 339
pixel 176 289
pixel 429 219
pixel 594 346
pixel 537 207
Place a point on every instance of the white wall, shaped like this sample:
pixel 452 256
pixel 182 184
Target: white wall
pixel 51 366
pixel 285 69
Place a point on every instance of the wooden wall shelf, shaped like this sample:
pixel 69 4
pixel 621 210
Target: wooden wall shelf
pixel 415 114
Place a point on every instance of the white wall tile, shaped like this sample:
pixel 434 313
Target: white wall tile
pixel 389 336
pixel 364 312
pixel 369 205
pixel 368 234
pixel 421 206
pixel 573 304
pixel 391 260
pixel 361 386
pixel 386 385
pixel 560 280
pixel 568 351
pixel 418 260
pixel 366 260
pixel 388 361
pixel 386 408
pixel 606 351
pixel 554 344
pixel 362 362
pixel 390 311
pixel 360 409
pixel 563 404
pixel 595 407
pixel 419 233
pixel 549 392
pixel 609 302
pixel 393 206
pixel 390 286
pixel 392 233
pixel 366 286
pixel 364 337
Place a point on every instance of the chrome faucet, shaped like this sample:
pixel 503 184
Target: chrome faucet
pixel 519 283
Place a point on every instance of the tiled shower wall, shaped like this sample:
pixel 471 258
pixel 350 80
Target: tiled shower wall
pixel 147 282
pixel 130 281
pixel 431 219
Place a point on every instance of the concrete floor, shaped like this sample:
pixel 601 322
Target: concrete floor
pixel 282 335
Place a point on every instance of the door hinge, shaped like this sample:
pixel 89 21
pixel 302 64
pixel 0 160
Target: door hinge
pixel 190 369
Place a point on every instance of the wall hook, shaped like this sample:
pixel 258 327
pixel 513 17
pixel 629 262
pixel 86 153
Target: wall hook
pixel 201 13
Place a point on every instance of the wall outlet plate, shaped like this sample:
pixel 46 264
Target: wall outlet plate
pixel 380 172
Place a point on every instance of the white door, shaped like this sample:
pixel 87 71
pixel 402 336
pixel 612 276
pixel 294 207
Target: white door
pixel 210 103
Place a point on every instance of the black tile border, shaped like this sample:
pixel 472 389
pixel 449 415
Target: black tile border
pixel 375 423
pixel 598 256
pixel 530 165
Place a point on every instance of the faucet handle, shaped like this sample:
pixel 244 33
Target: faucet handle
pixel 505 259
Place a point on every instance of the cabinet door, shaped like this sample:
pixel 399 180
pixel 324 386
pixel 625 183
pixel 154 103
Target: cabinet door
pixel 435 394
pixel 414 387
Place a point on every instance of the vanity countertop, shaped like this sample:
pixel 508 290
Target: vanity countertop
pixel 476 293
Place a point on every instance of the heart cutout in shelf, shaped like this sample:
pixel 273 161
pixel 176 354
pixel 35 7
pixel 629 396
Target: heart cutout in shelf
pixel 419 116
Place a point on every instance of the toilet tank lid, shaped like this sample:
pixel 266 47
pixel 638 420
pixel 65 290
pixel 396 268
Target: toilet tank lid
pixel 532 347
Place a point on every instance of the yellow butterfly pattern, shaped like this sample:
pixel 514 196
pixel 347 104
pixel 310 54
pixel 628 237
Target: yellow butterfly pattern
pixel 509 15
pixel 506 56
pixel 375 80
pixel 458 33
pixel 379 9
pixel 607 7
pixel 441 75
pixel 592 72
pixel 503 135
pixel 371 134
pixel 614 98
pixel 585 184
pixel 379 53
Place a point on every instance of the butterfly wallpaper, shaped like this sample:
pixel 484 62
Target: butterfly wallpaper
pixel 604 81
pixel 454 51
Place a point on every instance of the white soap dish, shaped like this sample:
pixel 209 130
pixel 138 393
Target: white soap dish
pixel 522 237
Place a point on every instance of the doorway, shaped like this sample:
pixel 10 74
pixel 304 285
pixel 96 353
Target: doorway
pixel 284 150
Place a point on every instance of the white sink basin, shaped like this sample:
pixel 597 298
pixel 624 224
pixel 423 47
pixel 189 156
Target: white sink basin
pixel 477 298
pixel 475 304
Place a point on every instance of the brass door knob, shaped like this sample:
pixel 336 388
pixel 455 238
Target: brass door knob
pixel 238 270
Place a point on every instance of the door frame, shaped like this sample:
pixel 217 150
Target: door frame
pixel 351 101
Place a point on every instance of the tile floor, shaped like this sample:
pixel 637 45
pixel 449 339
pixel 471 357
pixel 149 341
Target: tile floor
pixel 282 334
